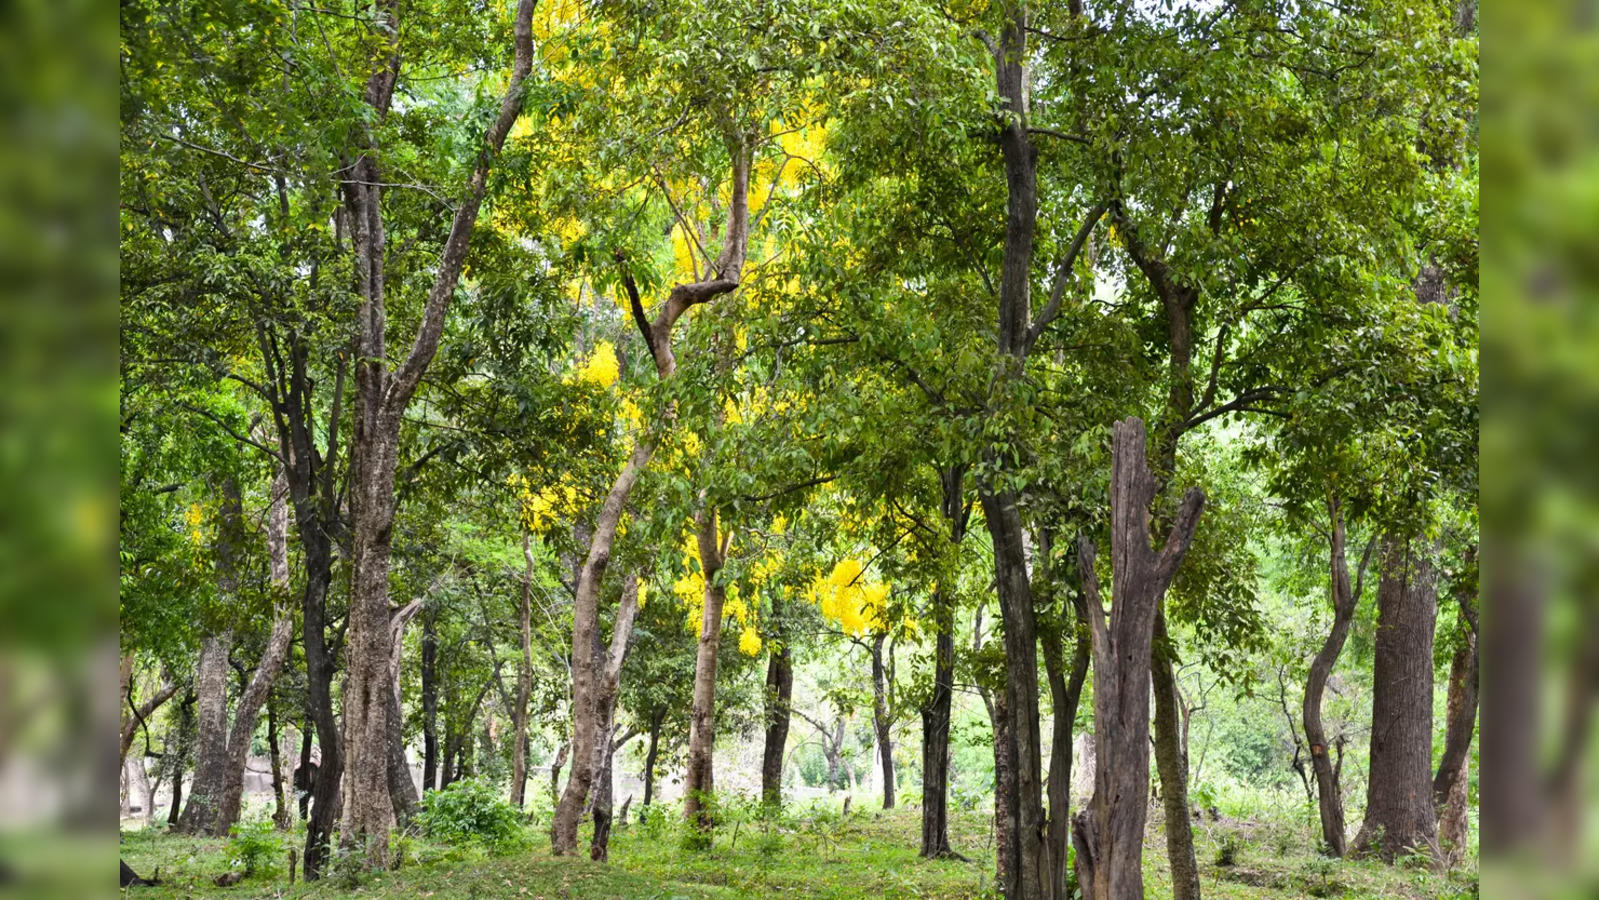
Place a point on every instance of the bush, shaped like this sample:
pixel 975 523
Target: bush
pixel 472 811
pixel 255 845
pixel 1227 848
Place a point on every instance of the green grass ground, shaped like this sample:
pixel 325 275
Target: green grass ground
pixel 869 854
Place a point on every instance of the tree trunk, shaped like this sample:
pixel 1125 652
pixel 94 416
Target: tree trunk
pixel 211 736
pixel 1065 691
pixel 1515 618
pixel 779 695
pixel 1003 789
pixel 881 720
pixel 555 769
pixel 430 701
pixel 698 781
pixel 1344 600
pixel 585 635
pixel 604 801
pixel 723 277
pixel 1450 787
pixel 651 755
pixel 282 818
pixel 1400 815
pixel 610 666
pixel 524 680
pixel 382 396
pixel 179 741
pixel 935 730
pixel 259 688
pixel 1171 761
pixel 936 713
pixel 1108 835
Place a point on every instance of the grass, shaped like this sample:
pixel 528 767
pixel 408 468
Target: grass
pixel 812 852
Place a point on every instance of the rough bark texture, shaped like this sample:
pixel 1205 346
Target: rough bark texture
pixel 609 663
pixel 430 702
pixel 936 712
pixel 1450 787
pixel 1344 600
pixel 1108 834
pixel 699 779
pixel 779 696
pixel 723 277
pixel 259 688
pixel 651 755
pixel 1066 691
pixel 1171 761
pixel 999 717
pixel 202 813
pixel 1400 815
pixel 382 396
pixel 524 679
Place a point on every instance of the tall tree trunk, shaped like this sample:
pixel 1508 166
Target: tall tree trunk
pixel 935 730
pixel 882 721
pixel 723 277
pixel 1003 789
pixel 555 769
pixel 651 755
pixel 430 701
pixel 1515 616
pixel 1400 815
pixel 1109 834
pixel 282 817
pixel 211 761
pixel 524 679
pixel 698 781
pixel 1171 761
pixel 382 396
pixel 936 712
pixel 1344 600
pixel 779 696
pixel 610 666
pixel 180 741
pixel 259 688
pixel 1065 691
pixel 1450 787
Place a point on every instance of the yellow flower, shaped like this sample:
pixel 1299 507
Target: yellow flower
pixel 749 641
pixel 601 368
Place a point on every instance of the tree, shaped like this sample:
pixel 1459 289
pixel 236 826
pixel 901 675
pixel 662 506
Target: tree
pixel 1109 834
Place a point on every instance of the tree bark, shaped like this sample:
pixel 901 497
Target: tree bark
pixel 282 817
pixel 1108 834
pixel 1450 787
pixel 1344 600
pixel 936 712
pixel 1066 691
pixel 609 665
pixel 779 696
pixel 430 701
pixel 382 396
pixel 1171 761
pixel 723 277
pixel 698 780
pixel 882 721
pixel 259 688
pixel 1400 815
pixel 1004 821
pixel 524 679
pixel 180 741
pixel 651 755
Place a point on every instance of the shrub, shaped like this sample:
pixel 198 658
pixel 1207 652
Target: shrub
pixel 255 845
pixel 1227 849
pixel 472 811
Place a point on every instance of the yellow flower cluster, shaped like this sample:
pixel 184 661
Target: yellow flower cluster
pixel 543 507
pixel 601 368
pixel 194 517
pixel 845 597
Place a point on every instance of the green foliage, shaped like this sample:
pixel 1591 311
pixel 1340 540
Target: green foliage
pixel 472 811
pixel 256 846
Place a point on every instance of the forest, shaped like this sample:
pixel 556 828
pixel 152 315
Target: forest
pixel 829 448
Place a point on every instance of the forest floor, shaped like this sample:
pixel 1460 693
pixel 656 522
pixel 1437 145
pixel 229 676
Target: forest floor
pixel 868 854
